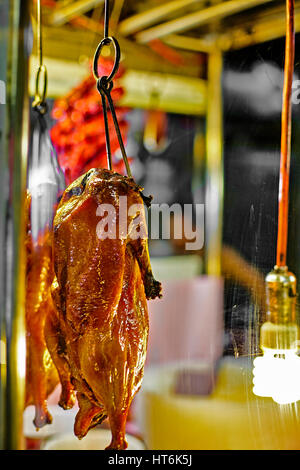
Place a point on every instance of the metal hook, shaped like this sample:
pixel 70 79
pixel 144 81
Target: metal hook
pixel 39 103
pixel 106 42
pixel 39 98
pixel 105 85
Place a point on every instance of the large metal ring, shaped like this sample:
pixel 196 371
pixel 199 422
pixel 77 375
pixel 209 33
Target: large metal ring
pixel 39 98
pixel 106 42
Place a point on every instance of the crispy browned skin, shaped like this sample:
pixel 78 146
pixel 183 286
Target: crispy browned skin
pixel 100 292
pixel 41 374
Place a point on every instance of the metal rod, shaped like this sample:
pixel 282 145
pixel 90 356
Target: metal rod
pixel 106 18
pixel 214 166
pixel 39 102
pixel 39 32
pixel 286 124
pixel 189 43
pixel 119 135
pixel 16 161
pixel 4 72
pixel 154 15
pixel 256 31
pixel 115 14
pixel 198 18
pixel 66 13
pixel 106 127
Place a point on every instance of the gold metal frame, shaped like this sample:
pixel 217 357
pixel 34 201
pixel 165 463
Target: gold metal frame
pixel 15 166
pixel 153 15
pixel 63 14
pixel 214 166
pixel 256 30
pixel 265 29
pixel 198 18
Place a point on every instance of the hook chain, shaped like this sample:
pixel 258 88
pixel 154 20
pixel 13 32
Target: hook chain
pixel 105 86
pixel 39 102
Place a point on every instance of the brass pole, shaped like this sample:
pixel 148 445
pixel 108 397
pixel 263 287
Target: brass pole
pixel 4 39
pixel 16 167
pixel 214 166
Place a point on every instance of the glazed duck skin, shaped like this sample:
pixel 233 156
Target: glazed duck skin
pixel 41 374
pixel 100 293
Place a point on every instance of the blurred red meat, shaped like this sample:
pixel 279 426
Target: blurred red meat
pixel 78 135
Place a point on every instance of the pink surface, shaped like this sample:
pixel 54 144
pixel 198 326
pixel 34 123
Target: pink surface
pixel 187 323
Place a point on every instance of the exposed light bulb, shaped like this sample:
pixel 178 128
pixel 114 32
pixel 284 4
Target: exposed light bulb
pixel 276 374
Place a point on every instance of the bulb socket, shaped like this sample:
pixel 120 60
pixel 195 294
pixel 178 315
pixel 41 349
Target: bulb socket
pixel 281 290
pixel 280 330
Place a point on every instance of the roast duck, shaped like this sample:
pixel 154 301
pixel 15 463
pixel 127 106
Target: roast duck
pixel 97 332
pixel 41 374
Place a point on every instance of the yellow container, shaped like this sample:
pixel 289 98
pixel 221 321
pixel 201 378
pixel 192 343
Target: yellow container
pixel 231 418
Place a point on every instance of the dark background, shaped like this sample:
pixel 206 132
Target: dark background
pixel 253 80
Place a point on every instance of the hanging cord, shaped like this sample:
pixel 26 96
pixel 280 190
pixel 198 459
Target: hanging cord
pixel 286 136
pixel 39 102
pixel 105 85
pixel 106 18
